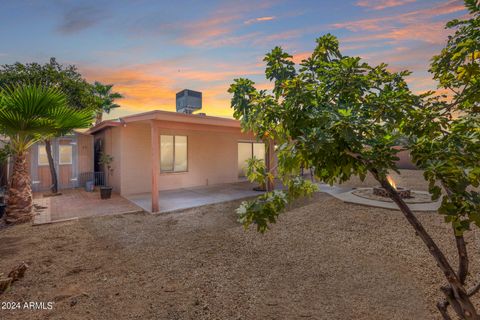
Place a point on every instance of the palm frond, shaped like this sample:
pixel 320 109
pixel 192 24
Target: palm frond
pixel 29 113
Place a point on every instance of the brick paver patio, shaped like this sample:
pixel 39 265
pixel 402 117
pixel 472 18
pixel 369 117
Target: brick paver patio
pixel 77 203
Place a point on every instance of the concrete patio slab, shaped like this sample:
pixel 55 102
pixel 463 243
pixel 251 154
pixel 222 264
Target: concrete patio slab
pixel 77 203
pixel 172 200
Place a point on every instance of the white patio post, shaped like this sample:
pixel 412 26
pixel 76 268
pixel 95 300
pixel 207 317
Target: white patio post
pixel 155 164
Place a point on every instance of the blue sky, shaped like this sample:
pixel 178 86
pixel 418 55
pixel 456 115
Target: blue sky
pixel 151 49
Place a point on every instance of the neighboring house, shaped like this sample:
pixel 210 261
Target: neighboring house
pixel 72 156
pixel 162 150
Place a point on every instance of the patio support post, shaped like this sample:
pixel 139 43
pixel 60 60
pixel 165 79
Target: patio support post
pixel 155 164
pixel 270 160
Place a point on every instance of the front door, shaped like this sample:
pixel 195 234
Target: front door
pixel 64 157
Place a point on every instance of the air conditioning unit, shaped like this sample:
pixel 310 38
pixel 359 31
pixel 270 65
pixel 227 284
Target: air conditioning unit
pixel 188 101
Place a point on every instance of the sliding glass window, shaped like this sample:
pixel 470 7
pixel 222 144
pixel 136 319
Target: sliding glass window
pixel 248 150
pixel 173 153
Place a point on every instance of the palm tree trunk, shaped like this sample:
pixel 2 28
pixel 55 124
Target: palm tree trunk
pixel 98 117
pixel 51 164
pixel 19 196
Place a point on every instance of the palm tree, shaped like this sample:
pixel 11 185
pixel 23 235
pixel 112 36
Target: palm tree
pixel 28 114
pixel 105 99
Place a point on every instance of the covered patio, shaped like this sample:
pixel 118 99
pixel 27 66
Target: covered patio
pixel 185 198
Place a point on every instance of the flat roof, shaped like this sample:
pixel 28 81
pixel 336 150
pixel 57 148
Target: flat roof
pixel 167 116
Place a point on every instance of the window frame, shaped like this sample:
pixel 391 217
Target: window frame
pixel 252 154
pixel 173 162
pixel 60 163
pixel 42 147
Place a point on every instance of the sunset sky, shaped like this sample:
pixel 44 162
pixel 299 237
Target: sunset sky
pixel 152 49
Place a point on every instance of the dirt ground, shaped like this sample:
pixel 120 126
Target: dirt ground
pixel 324 259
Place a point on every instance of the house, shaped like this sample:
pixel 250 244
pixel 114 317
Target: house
pixel 72 155
pixel 161 150
pixel 152 151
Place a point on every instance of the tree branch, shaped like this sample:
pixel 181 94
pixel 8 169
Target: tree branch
pixel 463 260
pixel 457 290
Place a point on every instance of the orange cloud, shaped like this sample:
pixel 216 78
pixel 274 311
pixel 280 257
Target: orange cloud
pixel 153 86
pixel 298 57
pixel 260 19
pixel 382 4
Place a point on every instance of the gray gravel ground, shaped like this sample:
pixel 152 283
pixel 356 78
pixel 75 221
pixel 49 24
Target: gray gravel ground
pixel 324 259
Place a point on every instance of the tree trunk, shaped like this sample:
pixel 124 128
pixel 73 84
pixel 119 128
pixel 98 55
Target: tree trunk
pixel 51 164
pixel 98 117
pixel 458 293
pixel 19 196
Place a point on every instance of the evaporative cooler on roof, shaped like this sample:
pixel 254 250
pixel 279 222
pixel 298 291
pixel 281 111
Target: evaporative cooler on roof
pixel 189 101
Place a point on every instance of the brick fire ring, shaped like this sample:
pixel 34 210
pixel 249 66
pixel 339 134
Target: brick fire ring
pixel 404 193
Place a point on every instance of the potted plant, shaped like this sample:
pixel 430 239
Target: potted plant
pixel 106 161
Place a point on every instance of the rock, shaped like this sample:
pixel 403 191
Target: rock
pixel 18 272
pixel 5 284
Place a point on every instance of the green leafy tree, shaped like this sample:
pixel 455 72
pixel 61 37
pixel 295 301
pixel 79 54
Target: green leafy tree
pixel 79 93
pixel 28 114
pixel 347 118
pixel 258 172
pixel 104 98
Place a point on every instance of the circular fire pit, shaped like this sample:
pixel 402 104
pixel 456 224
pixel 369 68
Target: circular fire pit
pixel 404 193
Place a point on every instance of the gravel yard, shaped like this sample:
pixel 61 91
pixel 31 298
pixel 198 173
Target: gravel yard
pixel 324 259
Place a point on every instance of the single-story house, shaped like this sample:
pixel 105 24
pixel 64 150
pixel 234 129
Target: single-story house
pixel 161 150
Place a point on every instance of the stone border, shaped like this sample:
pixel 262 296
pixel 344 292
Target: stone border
pixel 423 197
pixel 349 197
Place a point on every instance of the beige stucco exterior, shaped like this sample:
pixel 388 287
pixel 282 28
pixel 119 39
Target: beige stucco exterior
pixel 211 152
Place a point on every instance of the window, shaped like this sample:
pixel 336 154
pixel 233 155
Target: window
pixel 65 154
pixel 247 150
pixel 42 155
pixel 173 153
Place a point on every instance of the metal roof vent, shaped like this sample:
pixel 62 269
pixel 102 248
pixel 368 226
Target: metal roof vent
pixel 188 101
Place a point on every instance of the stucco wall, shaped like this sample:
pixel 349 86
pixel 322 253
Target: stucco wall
pixel 212 158
pixel 136 159
pixel 113 147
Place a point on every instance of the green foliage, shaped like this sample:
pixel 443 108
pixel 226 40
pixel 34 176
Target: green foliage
pixel 257 172
pixel 105 159
pixel 30 113
pixel 346 118
pixel 5 152
pixel 243 92
pixel 279 68
pixel 449 148
pixel 104 97
pixel 266 208
pixel 457 67
pixel 336 114
pixel 52 74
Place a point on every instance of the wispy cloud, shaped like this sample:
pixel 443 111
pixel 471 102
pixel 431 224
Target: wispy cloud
pixel 419 25
pixel 260 19
pixel 382 4
pixel 81 17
